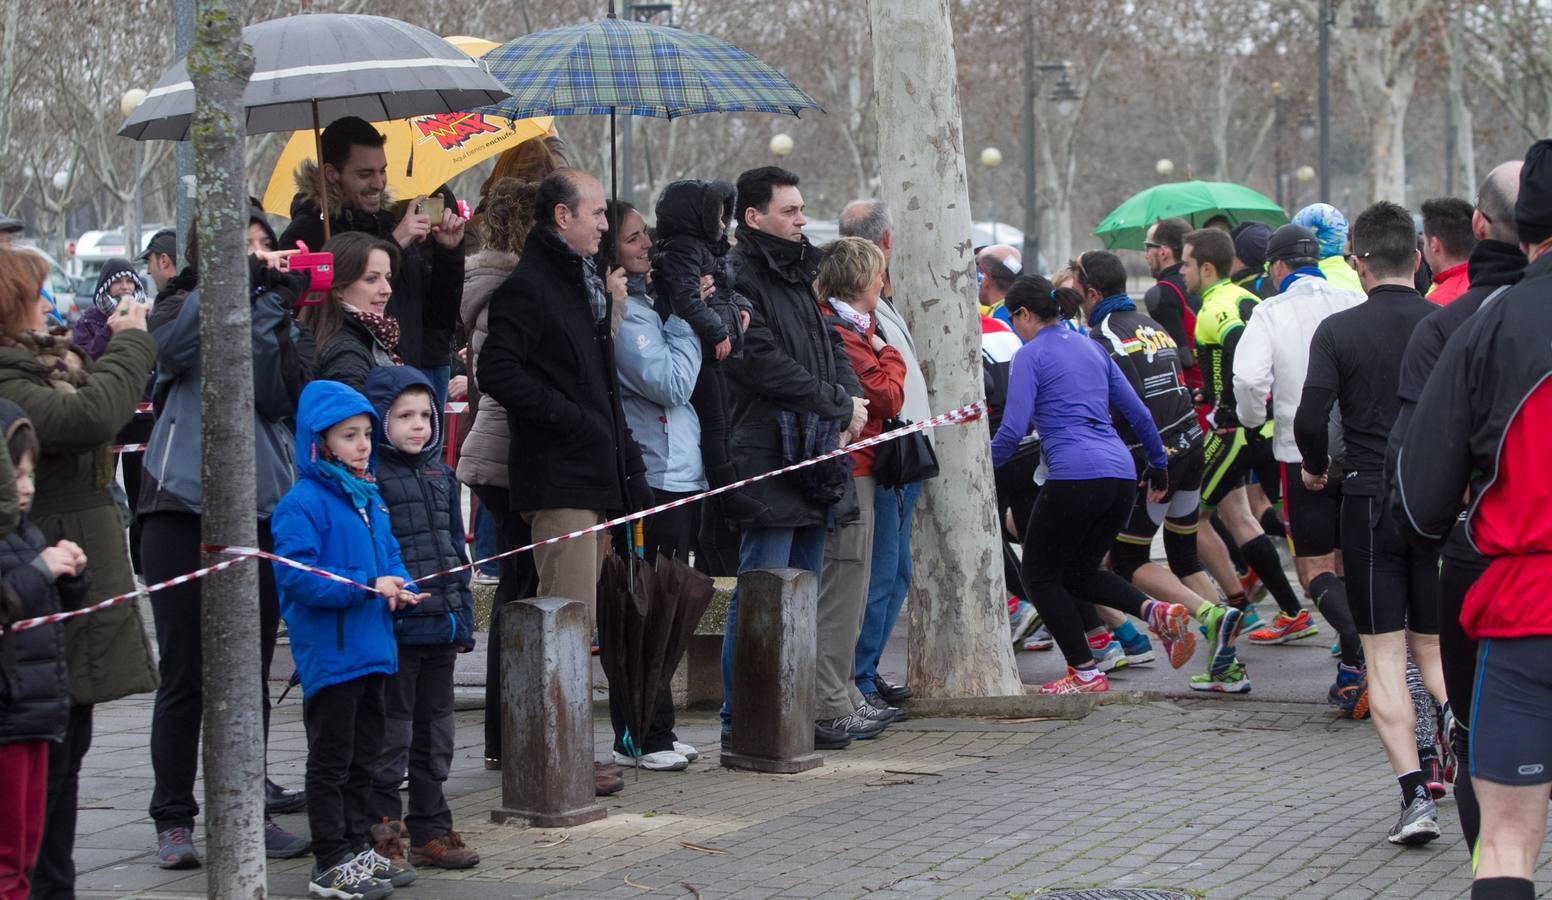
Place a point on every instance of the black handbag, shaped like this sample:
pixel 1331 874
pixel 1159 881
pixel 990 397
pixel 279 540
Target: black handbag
pixel 906 459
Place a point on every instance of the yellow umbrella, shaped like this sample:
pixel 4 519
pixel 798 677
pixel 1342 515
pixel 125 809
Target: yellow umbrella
pixel 424 152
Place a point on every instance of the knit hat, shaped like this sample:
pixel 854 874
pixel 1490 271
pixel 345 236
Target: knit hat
pixel 1250 243
pixel 1533 209
pixel 1328 224
pixel 1292 242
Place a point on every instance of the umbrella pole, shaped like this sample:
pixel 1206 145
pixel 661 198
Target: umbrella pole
pixel 323 183
pixel 614 175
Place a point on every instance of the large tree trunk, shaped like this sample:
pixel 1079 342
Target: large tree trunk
pixel 219 66
pixel 958 618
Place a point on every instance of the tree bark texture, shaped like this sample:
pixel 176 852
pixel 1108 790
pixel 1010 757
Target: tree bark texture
pixel 219 65
pixel 958 618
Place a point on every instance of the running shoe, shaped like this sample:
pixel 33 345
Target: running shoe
pixel 1336 648
pixel 1040 640
pixel 1350 691
pixel 1286 628
pixel 1022 620
pixel 1417 824
pixel 1073 683
pixel 1222 625
pixel 1251 584
pixel 1110 657
pixel 1172 625
pixel 1232 680
pixel 1139 652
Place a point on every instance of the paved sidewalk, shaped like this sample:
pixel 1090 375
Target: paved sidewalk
pixel 1221 797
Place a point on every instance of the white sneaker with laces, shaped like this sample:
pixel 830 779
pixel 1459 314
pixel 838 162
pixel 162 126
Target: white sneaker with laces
pixel 688 752
pixel 661 761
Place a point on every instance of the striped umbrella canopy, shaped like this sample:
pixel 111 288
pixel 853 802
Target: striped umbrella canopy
pixel 313 68
pixel 615 66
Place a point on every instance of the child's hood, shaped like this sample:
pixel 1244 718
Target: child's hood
pixel 112 271
pixel 325 403
pixel 697 209
pixel 383 386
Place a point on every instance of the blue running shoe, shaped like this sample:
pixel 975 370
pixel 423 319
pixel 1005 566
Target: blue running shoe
pixel 1139 652
pixel 1112 657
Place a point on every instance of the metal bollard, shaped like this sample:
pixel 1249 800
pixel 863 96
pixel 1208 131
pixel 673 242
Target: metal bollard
pixel 773 673
pixel 546 715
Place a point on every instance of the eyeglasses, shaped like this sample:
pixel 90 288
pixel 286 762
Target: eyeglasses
pixel 1353 257
pixel 1151 245
pixel 1076 265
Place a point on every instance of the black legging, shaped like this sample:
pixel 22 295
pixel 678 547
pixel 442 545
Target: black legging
pixel 1458 653
pixel 518 580
pixel 1071 528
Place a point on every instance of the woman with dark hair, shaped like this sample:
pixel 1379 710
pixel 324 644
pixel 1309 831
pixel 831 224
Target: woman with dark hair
pixel 77 405
pixel 1064 385
pixel 352 328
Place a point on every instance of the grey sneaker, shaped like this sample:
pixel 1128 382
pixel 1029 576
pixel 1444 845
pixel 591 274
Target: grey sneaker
pixel 882 710
pixel 1417 824
pixel 175 848
pixel 282 844
pixel 856 727
pixel 347 881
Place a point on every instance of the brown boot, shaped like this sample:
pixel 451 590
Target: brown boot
pixel 445 852
pixel 387 841
pixel 607 779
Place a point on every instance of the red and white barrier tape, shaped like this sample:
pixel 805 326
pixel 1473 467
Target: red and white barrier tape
pixel 967 413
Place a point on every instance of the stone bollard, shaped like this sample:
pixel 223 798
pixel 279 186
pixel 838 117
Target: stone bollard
pixel 773 673
pixel 546 715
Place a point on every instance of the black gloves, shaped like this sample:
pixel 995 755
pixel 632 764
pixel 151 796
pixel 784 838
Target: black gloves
pixel 1156 479
pixel 639 493
pixel 1224 418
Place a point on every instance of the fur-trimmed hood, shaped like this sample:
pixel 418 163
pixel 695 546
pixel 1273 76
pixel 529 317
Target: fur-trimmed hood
pixel 307 183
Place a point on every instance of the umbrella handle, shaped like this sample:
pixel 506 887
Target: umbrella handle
pixel 638 540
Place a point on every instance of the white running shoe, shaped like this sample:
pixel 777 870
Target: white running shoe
pixel 661 761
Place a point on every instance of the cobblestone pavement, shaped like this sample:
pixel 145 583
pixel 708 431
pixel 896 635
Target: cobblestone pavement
pixel 1220 797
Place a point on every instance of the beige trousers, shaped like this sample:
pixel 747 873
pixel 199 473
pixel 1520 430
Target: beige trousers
pixel 843 600
pixel 571 568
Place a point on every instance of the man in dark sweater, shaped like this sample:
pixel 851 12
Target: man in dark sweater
pixel 1496 263
pixel 1392 586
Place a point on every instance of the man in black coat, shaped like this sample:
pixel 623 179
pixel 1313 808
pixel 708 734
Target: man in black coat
pixel 792 362
pixel 549 362
pixel 428 287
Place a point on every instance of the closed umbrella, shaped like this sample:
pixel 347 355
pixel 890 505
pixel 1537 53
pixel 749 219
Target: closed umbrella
pixel 613 66
pixel 314 68
pixel 1195 201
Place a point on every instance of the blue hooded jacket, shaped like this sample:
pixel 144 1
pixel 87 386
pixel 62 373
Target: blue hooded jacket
pixel 427 513
pixel 338 632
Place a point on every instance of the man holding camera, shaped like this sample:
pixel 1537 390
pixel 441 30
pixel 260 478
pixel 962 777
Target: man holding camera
pixel 428 287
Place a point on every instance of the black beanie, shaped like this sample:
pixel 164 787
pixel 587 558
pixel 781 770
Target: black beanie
pixel 1533 210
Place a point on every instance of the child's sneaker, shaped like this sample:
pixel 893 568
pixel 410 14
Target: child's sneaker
pixel 347 880
pixel 1232 680
pixel 445 852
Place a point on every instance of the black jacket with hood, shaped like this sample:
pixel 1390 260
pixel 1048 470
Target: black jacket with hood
pixel 428 287
pixel 551 367
pixel 427 515
pixel 34 685
pixel 692 222
pixel 792 360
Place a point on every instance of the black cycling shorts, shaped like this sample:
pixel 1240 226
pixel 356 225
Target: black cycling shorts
pixel 1180 505
pixel 1511 712
pixel 1314 517
pixel 1392 584
pixel 1227 459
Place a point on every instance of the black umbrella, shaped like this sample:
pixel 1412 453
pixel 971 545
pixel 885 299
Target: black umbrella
pixel 627 595
pixel 683 595
pixel 315 68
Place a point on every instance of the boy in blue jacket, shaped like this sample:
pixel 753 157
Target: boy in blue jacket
pixel 424 505
pixel 342 642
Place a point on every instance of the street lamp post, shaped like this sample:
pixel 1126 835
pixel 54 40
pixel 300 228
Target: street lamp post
pixel 637 12
pixel 1064 94
pixel 128 104
pixel 1277 139
pixel 1324 63
pixel 991 158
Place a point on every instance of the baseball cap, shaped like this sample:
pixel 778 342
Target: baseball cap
pixel 1292 242
pixel 164 241
pixel 8 223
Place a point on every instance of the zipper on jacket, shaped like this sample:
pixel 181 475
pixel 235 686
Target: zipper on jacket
pixel 1503 438
pixel 172 432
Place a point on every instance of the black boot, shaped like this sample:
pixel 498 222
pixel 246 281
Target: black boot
pixel 278 800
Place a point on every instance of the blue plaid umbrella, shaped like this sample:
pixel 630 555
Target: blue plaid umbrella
pixel 614 67
pixel 635 69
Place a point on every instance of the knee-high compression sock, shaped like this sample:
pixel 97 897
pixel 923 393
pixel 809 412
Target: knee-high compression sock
pixel 1503 889
pixel 1426 710
pixel 1261 553
pixel 1272 523
pixel 1228 540
pixel 1465 794
pixel 1329 592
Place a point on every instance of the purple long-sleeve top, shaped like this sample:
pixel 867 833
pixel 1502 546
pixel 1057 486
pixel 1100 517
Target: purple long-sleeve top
pixel 1064 385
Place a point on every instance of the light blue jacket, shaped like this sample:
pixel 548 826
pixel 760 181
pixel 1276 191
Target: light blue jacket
pixel 658 363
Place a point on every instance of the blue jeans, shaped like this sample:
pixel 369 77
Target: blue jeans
pixel 767 548
pixel 438 376
pixel 485 542
pixel 889 580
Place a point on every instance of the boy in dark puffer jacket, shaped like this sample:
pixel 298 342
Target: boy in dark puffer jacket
pixel 691 246
pixel 423 499
pixel 34 690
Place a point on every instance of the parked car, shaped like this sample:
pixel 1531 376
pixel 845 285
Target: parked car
pixel 60 288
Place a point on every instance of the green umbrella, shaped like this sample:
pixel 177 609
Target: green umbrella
pixel 1195 201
